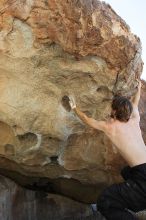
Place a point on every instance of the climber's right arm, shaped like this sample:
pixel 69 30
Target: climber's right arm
pixel 135 102
pixel 137 95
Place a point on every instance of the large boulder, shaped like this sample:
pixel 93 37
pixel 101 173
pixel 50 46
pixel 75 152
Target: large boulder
pixel 48 51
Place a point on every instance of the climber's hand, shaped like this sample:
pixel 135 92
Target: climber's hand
pixel 72 102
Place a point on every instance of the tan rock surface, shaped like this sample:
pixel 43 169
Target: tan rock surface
pixel 49 50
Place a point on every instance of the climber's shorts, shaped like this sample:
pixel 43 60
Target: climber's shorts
pixel 116 201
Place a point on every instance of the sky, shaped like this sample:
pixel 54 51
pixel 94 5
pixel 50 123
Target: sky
pixel 134 13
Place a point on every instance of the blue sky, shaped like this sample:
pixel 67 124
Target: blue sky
pixel 134 13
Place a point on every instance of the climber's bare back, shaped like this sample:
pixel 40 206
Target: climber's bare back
pixel 128 139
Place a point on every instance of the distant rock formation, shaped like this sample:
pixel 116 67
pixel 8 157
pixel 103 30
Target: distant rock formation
pixel 48 51
pixel 19 203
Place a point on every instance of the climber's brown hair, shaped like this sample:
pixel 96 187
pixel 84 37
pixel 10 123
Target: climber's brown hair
pixel 121 108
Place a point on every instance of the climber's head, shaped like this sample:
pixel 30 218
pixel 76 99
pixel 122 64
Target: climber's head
pixel 121 108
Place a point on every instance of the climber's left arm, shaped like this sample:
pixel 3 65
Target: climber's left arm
pixel 100 125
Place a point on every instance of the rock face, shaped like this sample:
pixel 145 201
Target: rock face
pixel 49 50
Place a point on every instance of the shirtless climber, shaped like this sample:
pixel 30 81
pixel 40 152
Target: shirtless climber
pixel 124 131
